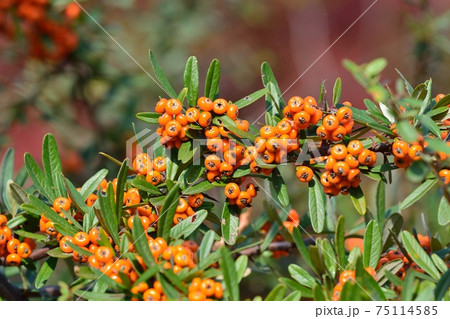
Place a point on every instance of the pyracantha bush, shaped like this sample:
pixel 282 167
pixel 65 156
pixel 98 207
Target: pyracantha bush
pixel 174 223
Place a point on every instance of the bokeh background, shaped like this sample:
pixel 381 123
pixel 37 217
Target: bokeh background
pixel 88 98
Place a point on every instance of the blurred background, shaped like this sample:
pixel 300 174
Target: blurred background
pixel 61 73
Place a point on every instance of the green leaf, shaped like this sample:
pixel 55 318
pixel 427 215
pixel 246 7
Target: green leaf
pixel 418 193
pixel 249 99
pixel 92 183
pixel 444 212
pixel 230 225
pixel 375 112
pixel 372 245
pixel 280 187
pixel 337 91
pixel 6 174
pixel 339 238
pixel 293 285
pixel 190 80
pixel 38 178
pixel 437 145
pixel 439 263
pixel 229 274
pixel 318 293
pixel 429 124
pixel 361 117
pixel 277 293
pixel 186 152
pixel 298 240
pixel 199 188
pixel 169 290
pixel 37 207
pixel 205 247
pixel 358 200
pixel 79 250
pixel 293 296
pixel 23 233
pixel 182 95
pixel 140 183
pixel 175 280
pixel 407 131
pixel 317 204
pixel 375 67
pixel 419 255
pixel 75 196
pixel 52 164
pixel 329 257
pixel 58 253
pixel 301 275
pixel 45 272
pixel 393 225
pixel 98 296
pixel 148 117
pixel 408 86
pixel 230 125
pixel 162 79
pixel 105 211
pixel 140 242
pixel 381 203
pixel 189 225
pixel 212 80
pixel 241 265
pixel 442 286
pixel 168 211
pixel 16 195
pixel 121 181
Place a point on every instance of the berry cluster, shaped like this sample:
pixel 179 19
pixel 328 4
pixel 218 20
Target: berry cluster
pixel 341 167
pixel 143 292
pixel 11 248
pixel 240 198
pixel 335 127
pixel 152 169
pixel 39 27
pixel 205 290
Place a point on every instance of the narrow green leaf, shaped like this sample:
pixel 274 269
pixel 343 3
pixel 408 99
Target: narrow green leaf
pixel 98 296
pixel 429 124
pixel 408 86
pixel 375 112
pixel 199 188
pixel 6 174
pixel 280 188
pixel 189 225
pixel 23 233
pixel 58 253
pixel 212 80
pixel 141 243
pixel 318 293
pixel 393 267
pixel 407 131
pixel 442 286
pixel 190 80
pixel 293 285
pixel 230 225
pixel 437 145
pixel 439 263
pixel 162 79
pixel 241 265
pixel 337 91
pixel 375 67
pixel 339 238
pixel 251 98
pixel 372 245
pixel 52 164
pixel 293 296
pixel 45 272
pixel 277 293
pixel 381 203
pixel 121 181
pixel 358 200
pixel 419 255
pixel 361 117
pixel 168 211
pixel 38 178
pixel 205 247
pixel 140 183
pixel 418 193
pixel 148 117
pixel 444 212
pixel 229 274
pixel 317 204
pixel 298 240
